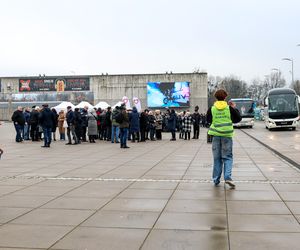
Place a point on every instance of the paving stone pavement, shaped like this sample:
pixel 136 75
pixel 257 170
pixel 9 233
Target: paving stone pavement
pixel 155 195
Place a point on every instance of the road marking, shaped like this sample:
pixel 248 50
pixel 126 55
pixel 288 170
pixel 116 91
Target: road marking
pixel 44 178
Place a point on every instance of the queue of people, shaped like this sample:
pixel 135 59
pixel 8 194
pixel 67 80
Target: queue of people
pixel 116 126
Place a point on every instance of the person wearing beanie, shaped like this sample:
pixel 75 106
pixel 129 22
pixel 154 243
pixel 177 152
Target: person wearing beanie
pixel 221 116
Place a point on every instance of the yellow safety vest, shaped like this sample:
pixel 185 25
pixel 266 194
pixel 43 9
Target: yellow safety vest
pixel 221 122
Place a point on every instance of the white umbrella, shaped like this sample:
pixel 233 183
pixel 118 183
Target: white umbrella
pixel 63 106
pixel 102 105
pixel 117 104
pixel 83 104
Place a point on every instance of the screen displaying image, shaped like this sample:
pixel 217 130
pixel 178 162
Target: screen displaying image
pixel 168 94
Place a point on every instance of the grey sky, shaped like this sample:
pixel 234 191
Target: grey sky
pixel 63 37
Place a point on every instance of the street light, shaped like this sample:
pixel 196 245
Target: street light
pixel 9 90
pixel 292 61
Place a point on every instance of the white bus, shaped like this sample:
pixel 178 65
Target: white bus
pixel 281 109
pixel 246 107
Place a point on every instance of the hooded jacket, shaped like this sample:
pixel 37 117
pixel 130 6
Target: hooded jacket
pixel 234 113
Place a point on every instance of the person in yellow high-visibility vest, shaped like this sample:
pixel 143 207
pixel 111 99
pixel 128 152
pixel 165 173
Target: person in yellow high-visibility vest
pixel 221 117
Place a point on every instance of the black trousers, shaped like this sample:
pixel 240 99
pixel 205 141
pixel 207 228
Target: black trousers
pixel 83 135
pixel 196 131
pixel 187 135
pixel 108 133
pixel 34 132
pixel 173 132
pixel 143 134
pixel 158 134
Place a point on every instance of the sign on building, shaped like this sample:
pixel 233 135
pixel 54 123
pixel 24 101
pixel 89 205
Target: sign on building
pixel 54 84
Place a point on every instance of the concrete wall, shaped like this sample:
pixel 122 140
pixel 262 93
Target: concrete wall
pixel 111 88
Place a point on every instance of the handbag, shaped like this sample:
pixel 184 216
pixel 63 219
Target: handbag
pixel 65 125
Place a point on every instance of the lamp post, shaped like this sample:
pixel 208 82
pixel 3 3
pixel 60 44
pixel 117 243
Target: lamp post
pixel 9 90
pixel 292 61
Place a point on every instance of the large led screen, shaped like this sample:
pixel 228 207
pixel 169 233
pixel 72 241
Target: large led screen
pixel 168 94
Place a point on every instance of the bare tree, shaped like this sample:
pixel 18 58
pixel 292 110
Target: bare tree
pixel 275 80
pixel 257 90
pixel 212 86
pixel 296 86
pixel 235 88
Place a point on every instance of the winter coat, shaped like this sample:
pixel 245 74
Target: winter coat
pixel 92 124
pixel 47 118
pixel 55 122
pixel 180 122
pixel 18 118
pixel 77 120
pixel 84 115
pixel 61 119
pixel 107 118
pixel 196 119
pixel 98 117
pixel 27 117
pixel 113 117
pixel 159 121
pixel 34 117
pixel 187 124
pixel 172 121
pixel 125 123
pixel 60 123
pixel 144 121
pixel 152 121
pixel 70 117
pixel 134 121
pixel 102 118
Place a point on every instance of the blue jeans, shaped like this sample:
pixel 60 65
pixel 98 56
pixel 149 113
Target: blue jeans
pixel 26 132
pixel 123 136
pixel 19 132
pixel 152 133
pixel 47 136
pixel 115 133
pixel 222 153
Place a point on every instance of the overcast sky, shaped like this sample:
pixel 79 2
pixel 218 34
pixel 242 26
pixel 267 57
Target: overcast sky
pixel 246 38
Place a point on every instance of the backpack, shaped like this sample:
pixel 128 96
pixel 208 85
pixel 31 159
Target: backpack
pixel 119 117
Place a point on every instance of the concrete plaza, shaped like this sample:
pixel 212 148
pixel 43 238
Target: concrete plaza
pixel 155 195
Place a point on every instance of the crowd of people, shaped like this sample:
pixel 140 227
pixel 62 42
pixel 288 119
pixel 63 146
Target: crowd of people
pixel 116 126
pixel 120 125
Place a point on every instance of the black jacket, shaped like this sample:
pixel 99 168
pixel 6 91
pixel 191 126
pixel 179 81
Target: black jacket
pixel 18 117
pixel 196 118
pixel 34 117
pixel 234 114
pixel 47 118
pixel 77 119
pixel 144 121
pixel 84 117
pixel 107 118
pixel 70 117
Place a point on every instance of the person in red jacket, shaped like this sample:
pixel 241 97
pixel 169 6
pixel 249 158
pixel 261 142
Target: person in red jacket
pixel 98 112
